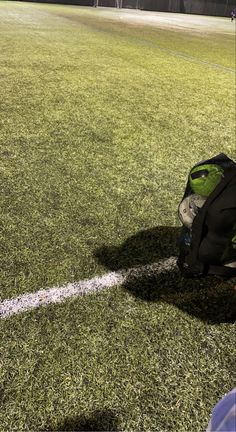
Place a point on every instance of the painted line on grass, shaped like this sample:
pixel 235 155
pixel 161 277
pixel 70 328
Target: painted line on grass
pixel 59 294
pixel 184 56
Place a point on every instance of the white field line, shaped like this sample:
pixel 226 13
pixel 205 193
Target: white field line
pixel 59 294
pixel 181 55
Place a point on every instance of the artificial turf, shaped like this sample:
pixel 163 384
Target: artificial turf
pixel 100 123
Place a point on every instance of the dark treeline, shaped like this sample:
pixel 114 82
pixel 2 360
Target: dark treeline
pixel 201 7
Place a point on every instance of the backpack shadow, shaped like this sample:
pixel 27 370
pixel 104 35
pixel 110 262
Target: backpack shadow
pixel 145 247
pixel 209 299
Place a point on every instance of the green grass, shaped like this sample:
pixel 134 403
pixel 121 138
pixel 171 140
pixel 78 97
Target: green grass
pixel 100 123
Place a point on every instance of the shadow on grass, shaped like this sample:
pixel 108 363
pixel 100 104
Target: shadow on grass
pixel 209 299
pixel 98 421
pixel 145 247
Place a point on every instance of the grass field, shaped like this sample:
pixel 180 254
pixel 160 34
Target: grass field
pixel 101 118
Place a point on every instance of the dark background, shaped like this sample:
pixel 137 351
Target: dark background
pixel 201 7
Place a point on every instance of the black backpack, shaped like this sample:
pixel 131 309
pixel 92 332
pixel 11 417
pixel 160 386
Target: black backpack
pixel 207 245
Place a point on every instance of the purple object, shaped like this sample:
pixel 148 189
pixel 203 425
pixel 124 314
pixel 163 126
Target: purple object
pixel 223 418
pixel 233 13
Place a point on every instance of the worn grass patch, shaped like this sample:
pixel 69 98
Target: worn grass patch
pixel 100 123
